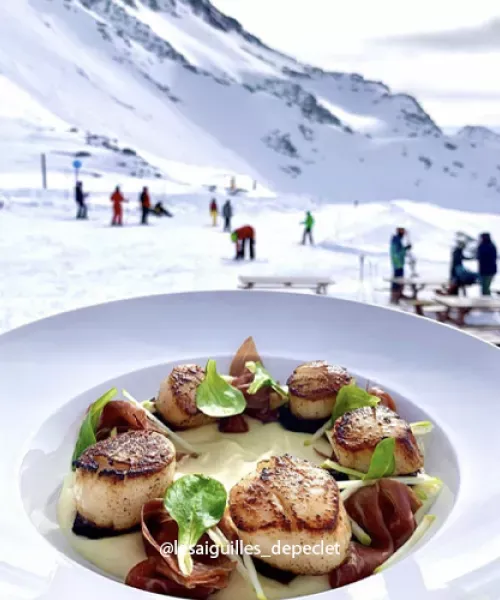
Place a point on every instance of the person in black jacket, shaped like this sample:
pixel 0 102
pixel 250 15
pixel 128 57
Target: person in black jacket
pixel 487 259
pixel 145 202
pixel 80 198
pixel 227 212
pixel 460 277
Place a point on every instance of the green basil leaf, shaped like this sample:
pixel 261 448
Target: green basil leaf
pixel 263 379
pixel 215 397
pixel 350 397
pixel 86 435
pixel 196 503
pixel 383 463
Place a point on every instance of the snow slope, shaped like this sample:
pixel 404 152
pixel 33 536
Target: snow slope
pixel 50 262
pixel 194 98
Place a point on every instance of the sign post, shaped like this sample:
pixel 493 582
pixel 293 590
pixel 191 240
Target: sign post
pixel 44 171
pixel 77 165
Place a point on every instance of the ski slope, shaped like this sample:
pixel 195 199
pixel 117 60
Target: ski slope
pixel 51 263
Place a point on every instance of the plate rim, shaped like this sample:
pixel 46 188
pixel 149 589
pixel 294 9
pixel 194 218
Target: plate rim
pixel 11 337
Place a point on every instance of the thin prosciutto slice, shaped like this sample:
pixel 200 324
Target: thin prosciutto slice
pixel 259 404
pixel 160 573
pixel 247 352
pixel 148 576
pixel 122 415
pixel 234 424
pixel 385 511
pixel 385 398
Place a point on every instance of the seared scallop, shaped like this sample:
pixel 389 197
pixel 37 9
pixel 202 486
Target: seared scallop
pixel 116 476
pixel 355 435
pixel 290 501
pixel 313 389
pixel 176 400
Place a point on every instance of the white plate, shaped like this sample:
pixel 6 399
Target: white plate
pixel 50 370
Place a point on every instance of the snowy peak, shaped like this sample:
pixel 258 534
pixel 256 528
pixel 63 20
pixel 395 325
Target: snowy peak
pixel 203 9
pixel 478 133
pixel 220 21
pixel 177 91
pixel 231 55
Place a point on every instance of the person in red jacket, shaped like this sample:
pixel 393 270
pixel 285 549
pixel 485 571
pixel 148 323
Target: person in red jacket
pixel 241 237
pixel 117 199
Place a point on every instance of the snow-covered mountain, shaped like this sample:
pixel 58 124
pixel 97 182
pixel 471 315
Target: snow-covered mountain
pixel 175 92
pixel 478 134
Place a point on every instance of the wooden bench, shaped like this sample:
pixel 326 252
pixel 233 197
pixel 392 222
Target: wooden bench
pixel 424 306
pixel 484 333
pixel 433 309
pixel 317 283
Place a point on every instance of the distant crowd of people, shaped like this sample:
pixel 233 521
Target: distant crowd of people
pixel 244 237
pixel 117 201
pixel 483 251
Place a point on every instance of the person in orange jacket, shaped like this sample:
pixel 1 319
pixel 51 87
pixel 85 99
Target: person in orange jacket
pixel 117 199
pixel 145 205
pixel 241 237
pixel 214 211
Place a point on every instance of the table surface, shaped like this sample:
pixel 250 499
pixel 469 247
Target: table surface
pixel 417 281
pixel 286 279
pixel 481 303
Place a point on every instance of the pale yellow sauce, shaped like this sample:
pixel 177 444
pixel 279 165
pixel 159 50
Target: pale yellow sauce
pixel 227 458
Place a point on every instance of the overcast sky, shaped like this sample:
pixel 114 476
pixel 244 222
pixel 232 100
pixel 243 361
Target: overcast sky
pixel 445 52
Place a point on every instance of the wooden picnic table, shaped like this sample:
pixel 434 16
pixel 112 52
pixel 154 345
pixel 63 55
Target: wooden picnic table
pixel 417 284
pixel 459 307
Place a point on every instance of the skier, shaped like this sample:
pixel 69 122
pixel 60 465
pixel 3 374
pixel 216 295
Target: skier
pixel 398 256
pixel 117 199
pixel 227 211
pixel 214 211
pixel 160 211
pixel 80 198
pixel 487 260
pixel 308 225
pixel 241 237
pixel 145 205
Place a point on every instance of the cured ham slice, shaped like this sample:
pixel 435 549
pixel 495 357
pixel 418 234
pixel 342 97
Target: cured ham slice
pixel 385 511
pixel 148 576
pixel 385 398
pixel 234 424
pixel 122 415
pixel 161 574
pixel 259 405
pixel 247 352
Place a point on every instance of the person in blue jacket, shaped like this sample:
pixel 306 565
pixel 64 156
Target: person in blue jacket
pixel 460 277
pixel 398 252
pixel 487 259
